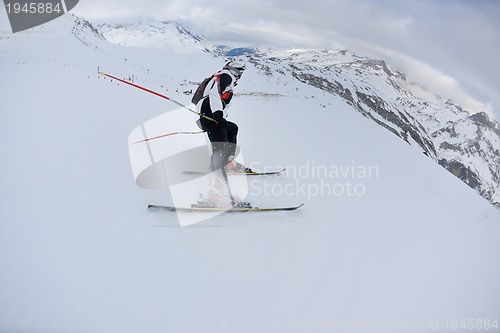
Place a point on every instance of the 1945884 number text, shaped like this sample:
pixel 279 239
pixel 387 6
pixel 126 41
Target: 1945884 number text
pixel 33 8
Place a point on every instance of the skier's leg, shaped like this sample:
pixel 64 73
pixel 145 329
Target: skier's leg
pixel 219 156
pixel 219 193
pixel 218 139
pixel 232 132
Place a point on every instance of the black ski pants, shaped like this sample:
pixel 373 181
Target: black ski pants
pixel 223 139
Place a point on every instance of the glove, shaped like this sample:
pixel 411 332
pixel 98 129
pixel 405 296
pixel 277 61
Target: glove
pixel 226 96
pixel 219 117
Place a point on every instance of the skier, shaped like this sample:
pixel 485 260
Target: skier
pixel 222 134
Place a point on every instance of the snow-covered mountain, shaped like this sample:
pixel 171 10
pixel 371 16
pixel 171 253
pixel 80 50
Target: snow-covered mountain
pixel 158 35
pixel 387 239
pixel 466 144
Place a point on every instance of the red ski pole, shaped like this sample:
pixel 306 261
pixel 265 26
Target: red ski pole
pixel 165 135
pixel 158 94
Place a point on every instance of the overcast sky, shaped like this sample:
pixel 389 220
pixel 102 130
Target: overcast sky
pixel 450 46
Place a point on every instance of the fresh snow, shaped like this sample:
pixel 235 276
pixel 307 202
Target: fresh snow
pixel 158 35
pixel 79 251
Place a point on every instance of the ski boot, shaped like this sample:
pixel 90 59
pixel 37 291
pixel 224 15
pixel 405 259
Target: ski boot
pixel 236 167
pixel 222 201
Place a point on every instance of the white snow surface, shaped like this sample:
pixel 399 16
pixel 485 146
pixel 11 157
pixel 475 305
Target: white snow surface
pixel 79 251
pixel 157 35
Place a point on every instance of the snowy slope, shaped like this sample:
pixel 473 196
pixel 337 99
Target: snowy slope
pixel 454 137
pixel 412 244
pixel 466 144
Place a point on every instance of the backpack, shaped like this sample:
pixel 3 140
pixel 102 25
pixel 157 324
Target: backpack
pixel 198 94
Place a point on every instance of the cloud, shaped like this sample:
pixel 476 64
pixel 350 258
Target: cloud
pixel 264 33
pixel 423 74
pixel 436 81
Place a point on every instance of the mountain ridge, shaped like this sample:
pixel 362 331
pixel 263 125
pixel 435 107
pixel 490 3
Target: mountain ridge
pixel 384 96
pixel 157 34
pixel 464 143
pixel 381 94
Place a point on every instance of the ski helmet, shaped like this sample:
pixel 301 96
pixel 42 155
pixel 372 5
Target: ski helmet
pixel 235 68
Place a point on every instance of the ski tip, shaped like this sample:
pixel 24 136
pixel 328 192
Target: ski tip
pixel 297 207
pixel 282 171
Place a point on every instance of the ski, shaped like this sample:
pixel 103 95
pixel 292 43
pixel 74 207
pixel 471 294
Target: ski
pixel 202 208
pixel 253 173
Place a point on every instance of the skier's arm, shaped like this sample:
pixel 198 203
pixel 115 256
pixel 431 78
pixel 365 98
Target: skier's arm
pixel 223 84
pixel 215 97
pixel 225 81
